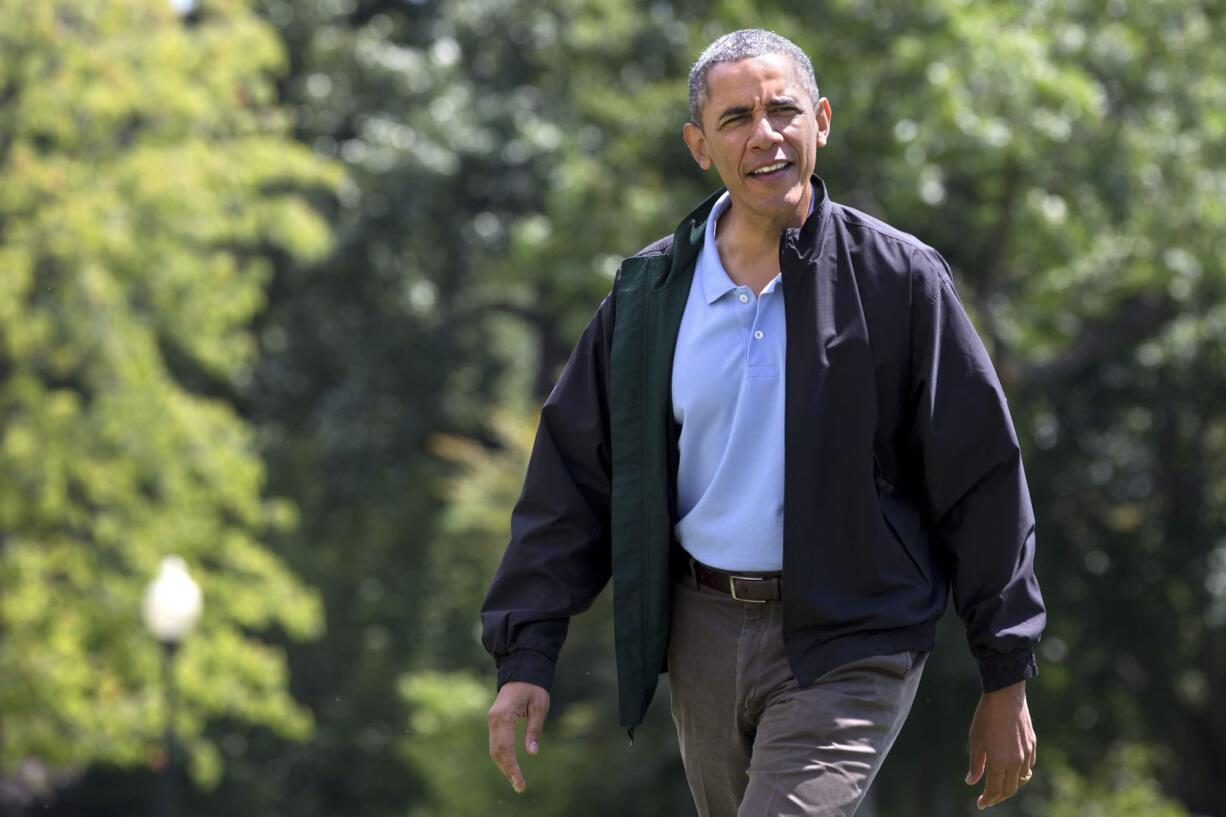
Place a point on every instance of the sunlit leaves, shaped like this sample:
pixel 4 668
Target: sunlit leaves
pixel 146 178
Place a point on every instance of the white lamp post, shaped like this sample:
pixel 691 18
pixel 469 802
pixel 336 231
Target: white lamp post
pixel 172 606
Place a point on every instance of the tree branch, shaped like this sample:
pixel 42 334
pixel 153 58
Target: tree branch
pixel 1138 318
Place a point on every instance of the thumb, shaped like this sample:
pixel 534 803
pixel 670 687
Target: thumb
pixel 537 709
pixel 979 760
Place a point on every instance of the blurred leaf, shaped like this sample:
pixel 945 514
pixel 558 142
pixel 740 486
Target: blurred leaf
pixel 147 178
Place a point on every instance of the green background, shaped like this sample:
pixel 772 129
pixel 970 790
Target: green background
pixel 282 285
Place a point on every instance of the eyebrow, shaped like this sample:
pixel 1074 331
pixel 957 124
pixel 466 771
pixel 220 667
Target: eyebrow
pixel 740 110
pixel 735 110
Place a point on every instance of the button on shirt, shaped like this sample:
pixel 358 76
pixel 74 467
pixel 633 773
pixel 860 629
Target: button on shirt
pixel 728 390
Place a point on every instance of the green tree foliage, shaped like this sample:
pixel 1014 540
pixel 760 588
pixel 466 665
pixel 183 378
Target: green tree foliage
pixel 1123 785
pixel 501 156
pixel 146 178
pixel 1064 156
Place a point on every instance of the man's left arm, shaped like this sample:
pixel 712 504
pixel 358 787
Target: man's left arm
pixel 981 517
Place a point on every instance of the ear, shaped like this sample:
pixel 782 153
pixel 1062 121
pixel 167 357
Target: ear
pixel 822 114
pixel 696 141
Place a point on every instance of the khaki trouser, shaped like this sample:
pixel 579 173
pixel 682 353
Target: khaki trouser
pixel 753 743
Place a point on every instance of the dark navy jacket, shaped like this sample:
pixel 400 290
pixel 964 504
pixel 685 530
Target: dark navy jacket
pixel 902 479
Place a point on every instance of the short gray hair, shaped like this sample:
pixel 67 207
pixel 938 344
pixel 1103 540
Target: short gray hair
pixel 744 45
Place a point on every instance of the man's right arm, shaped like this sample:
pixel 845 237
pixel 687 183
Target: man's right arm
pixel 558 559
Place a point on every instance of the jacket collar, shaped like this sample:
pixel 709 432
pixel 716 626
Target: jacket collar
pixel 807 237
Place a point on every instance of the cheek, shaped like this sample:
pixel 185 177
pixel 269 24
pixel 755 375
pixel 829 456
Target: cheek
pixel 726 156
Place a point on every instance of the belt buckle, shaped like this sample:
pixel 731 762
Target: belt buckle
pixel 732 588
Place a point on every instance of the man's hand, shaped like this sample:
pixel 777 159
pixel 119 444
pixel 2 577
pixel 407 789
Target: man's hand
pixel 516 700
pixel 1002 744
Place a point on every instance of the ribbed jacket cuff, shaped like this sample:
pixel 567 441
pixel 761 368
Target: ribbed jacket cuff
pixel 1000 670
pixel 529 666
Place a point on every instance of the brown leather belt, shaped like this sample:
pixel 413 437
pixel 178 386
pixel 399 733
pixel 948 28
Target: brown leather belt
pixel 747 586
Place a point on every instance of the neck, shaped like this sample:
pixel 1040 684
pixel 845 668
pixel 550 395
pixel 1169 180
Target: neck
pixel 749 234
pixel 748 243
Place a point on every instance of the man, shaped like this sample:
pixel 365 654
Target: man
pixel 782 439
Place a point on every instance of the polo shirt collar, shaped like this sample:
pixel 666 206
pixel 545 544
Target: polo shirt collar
pixel 715 280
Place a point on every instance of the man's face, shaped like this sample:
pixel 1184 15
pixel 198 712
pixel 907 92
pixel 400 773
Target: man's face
pixel 761 131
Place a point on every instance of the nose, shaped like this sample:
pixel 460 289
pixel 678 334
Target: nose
pixel 764 134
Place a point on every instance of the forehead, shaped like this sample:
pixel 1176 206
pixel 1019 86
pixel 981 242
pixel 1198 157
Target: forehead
pixel 742 82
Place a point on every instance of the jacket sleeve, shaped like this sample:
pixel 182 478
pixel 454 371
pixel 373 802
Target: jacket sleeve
pixel 978 504
pixel 558 559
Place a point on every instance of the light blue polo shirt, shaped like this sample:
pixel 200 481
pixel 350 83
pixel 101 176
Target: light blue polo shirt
pixel 728 391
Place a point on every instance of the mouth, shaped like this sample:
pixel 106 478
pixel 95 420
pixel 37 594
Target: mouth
pixel 771 171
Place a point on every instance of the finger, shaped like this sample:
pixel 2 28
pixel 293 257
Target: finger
pixel 502 748
pixel 509 764
pixel 517 777
pixel 1026 772
pixel 537 710
pixel 995 780
pixel 975 770
pixel 1013 774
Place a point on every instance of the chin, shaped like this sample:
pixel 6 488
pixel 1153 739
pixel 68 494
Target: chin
pixel 786 204
pixel 790 196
